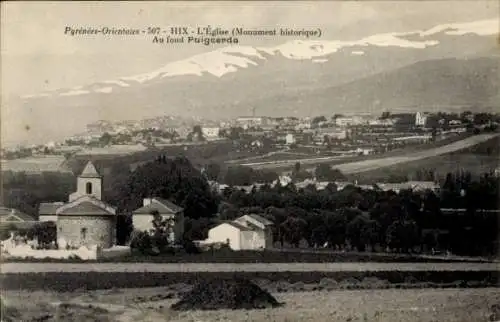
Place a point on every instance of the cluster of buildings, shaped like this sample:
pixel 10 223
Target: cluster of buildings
pixel 363 131
pixel 417 186
pixel 86 220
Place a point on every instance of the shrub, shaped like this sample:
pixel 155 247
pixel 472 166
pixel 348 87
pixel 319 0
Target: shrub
pixel 142 242
pixel 190 247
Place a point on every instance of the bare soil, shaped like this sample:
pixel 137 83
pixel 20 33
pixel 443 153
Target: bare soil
pixel 153 304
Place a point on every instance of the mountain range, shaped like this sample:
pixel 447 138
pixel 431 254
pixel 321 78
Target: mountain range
pixel 448 67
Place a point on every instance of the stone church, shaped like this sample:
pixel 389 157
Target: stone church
pixel 84 220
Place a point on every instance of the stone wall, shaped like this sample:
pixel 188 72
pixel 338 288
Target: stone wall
pixel 100 230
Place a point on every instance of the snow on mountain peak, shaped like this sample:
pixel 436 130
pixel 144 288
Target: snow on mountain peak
pixel 481 28
pixel 218 62
pixel 318 48
pixel 230 59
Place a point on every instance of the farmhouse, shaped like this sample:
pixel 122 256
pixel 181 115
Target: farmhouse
pixel 417 186
pixel 13 217
pixel 210 132
pixel 85 220
pixel 142 218
pixel 247 232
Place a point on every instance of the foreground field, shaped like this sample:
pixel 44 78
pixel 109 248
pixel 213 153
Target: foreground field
pixel 469 305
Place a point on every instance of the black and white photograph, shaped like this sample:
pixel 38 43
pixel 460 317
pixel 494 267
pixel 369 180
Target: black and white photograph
pixel 281 161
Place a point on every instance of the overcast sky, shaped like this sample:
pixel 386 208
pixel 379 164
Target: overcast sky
pixel 37 56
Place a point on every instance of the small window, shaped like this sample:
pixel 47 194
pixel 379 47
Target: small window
pixel 88 188
pixel 83 233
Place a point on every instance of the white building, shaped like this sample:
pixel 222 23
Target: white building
pixel 142 218
pixel 290 139
pixel 249 121
pixel 332 132
pixel 350 120
pixel 420 119
pixel 249 232
pixel 304 124
pixel 385 122
pixel 210 132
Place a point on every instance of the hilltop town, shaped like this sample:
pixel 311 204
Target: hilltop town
pixel 329 135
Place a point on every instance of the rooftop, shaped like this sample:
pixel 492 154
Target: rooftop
pixel 161 205
pixel 90 171
pixel 7 212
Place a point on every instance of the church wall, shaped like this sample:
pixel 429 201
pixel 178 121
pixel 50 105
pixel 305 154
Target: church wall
pixel 100 230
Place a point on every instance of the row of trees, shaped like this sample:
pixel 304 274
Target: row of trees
pixel 365 219
pixel 360 218
pixel 244 176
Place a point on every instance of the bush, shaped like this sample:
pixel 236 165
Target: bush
pixel 142 242
pixel 190 247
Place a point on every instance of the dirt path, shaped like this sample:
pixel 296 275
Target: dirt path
pixel 246 267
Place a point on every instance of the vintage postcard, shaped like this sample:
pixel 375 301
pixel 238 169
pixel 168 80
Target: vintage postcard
pixel 250 161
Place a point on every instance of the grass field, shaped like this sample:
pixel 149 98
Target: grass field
pixel 440 164
pixel 443 305
pixel 393 158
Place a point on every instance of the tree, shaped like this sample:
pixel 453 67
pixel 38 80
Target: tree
pixel 362 231
pixel 296 168
pixel 238 176
pixel 324 172
pixel 44 232
pixel 402 235
pixel 335 224
pixel 173 179
pixel 234 133
pixel 196 133
pixel 105 139
pixel 293 230
pixel 318 119
pixel 124 228
pixel 141 241
pixel 162 231
pixel 212 171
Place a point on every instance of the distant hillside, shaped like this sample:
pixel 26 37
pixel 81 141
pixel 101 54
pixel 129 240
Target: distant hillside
pixel 443 84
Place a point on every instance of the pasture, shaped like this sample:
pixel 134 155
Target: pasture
pixel 389 305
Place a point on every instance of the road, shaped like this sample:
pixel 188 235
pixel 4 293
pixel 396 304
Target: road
pixel 367 165
pixel 246 267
